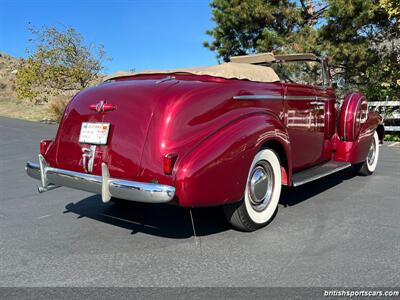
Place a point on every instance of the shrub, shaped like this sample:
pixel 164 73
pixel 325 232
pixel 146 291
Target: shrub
pixel 57 106
pixel 61 62
pixel 392 137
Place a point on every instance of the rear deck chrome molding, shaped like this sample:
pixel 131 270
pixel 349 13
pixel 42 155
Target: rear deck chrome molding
pixel 104 185
pixel 165 79
pixel 319 171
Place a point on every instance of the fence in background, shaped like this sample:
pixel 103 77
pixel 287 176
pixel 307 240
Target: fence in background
pixel 390 110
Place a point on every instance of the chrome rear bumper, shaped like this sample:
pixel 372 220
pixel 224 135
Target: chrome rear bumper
pixel 108 187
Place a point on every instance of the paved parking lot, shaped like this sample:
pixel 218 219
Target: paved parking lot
pixel 338 231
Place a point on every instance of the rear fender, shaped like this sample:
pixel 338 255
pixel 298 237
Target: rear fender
pixel 215 171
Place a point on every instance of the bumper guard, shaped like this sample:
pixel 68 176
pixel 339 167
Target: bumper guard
pixel 52 178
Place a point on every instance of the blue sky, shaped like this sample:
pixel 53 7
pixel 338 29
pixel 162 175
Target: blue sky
pixel 139 34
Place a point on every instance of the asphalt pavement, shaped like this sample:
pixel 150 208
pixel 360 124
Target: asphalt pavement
pixel 342 230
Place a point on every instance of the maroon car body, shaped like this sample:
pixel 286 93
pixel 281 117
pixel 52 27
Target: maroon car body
pixel 199 134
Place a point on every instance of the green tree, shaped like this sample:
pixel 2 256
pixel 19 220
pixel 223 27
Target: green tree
pixel 60 63
pixel 350 28
pixel 248 26
pixel 392 7
pixel 355 34
pixel 387 45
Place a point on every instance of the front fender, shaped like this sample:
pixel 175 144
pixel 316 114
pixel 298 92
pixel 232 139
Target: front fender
pixel 215 171
pixel 355 129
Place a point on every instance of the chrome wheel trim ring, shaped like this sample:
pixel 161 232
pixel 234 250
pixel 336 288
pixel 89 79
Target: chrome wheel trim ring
pixel 261 185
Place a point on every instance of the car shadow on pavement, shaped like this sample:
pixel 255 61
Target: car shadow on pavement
pixel 174 222
pixel 155 219
pixel 296 195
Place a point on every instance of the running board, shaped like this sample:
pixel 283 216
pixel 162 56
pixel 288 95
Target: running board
pixel 318 172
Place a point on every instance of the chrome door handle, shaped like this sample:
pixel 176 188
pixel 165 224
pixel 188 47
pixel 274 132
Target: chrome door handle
pixel 317 103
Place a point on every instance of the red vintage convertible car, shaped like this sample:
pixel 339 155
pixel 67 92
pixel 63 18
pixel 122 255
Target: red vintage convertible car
pixel 227 135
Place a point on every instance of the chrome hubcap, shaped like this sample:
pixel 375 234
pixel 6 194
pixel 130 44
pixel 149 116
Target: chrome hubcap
pixel 371 153
pixel 260 185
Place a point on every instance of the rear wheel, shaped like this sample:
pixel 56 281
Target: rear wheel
pixel 261 197
pixel 369 165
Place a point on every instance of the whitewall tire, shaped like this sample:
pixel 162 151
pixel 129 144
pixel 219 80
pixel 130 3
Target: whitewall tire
pixel 369 165
pixel 261 196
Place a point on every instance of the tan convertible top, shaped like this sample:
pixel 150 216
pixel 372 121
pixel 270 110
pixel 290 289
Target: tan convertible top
pixel 261 58
pixel 241 67
pixel 254 58
pixel 297 56
pixel 229 70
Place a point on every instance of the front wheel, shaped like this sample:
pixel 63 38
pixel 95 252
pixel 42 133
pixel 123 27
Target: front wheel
pixel 261 197
pixel 369 165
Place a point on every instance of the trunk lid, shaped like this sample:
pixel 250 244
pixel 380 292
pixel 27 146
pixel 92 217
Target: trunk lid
pixel 133 102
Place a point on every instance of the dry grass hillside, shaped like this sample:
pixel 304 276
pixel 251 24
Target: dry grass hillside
pixel 10 105
pixel 8 69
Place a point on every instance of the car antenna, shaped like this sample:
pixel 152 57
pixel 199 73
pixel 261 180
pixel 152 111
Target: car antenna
pixel 194 232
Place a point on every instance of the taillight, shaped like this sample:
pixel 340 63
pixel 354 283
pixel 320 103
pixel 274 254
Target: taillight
pixel 44 144
pixel 169 162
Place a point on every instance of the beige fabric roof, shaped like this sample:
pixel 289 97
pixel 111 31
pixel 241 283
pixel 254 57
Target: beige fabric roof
pixel 253 59
pixel 229 70
pixel 297 56
pixel 269 57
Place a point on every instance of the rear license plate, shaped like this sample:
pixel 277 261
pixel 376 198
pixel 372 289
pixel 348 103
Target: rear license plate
pixel 94 133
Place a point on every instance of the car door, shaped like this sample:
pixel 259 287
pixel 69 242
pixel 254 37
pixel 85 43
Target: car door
pixel 304 111
pixel 300 119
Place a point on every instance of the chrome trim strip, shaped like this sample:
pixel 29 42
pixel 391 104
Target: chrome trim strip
pixel 309 98
pixel 279 97
pixel 304 98
pixel 104 185
pixel 258 97
pixel 165 79
pixel 355 116
pixel 328 116
pixel 318 176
